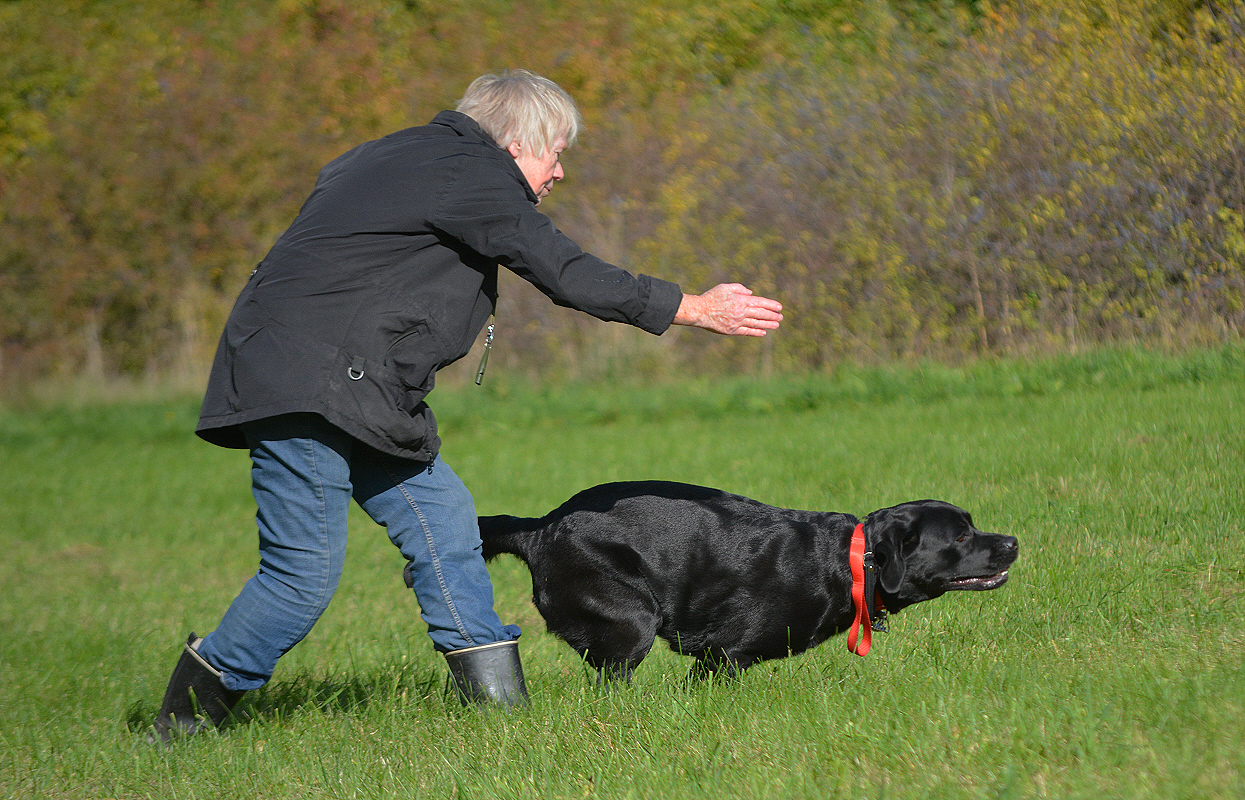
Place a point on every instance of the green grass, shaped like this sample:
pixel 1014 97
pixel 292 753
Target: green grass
pixel 1109 666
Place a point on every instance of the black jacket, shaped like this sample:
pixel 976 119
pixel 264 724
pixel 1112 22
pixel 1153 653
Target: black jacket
pixel 389 273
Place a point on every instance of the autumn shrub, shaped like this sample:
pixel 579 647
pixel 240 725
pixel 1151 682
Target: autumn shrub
pixel 912 179
pixel 1064 176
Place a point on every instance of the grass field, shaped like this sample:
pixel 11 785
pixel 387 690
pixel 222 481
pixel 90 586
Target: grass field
pixel 1110 666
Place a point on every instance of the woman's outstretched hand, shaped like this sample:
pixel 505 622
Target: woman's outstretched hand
pixel 731 309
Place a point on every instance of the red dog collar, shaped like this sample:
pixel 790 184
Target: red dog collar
pixel 857 558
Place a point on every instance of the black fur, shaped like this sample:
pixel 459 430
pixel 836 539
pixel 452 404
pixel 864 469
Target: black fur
pixel 726 579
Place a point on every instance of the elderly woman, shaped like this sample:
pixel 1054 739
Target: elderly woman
pixel 388 273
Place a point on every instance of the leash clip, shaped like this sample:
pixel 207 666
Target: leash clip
pixel 878 621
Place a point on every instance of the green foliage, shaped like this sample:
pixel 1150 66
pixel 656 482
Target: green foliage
pixel 914 179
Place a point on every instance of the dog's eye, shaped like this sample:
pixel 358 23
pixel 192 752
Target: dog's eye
pixel 962 537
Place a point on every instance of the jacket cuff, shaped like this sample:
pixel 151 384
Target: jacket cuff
pixel 664 299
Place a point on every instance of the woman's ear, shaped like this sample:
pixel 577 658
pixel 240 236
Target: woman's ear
pixel 514 148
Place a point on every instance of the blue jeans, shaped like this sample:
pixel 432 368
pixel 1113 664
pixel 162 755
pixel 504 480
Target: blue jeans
pixel 304 473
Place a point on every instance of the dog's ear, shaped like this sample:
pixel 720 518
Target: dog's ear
pixel 889 530
pixel 890 565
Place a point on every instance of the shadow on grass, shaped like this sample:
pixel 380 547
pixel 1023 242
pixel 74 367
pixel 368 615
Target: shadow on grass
pixel 328 695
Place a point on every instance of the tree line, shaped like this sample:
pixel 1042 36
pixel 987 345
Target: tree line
pixel 913 179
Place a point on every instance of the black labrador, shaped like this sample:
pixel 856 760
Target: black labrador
pixel 726 579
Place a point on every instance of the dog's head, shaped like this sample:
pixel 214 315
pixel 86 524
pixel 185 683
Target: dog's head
pixel 925 548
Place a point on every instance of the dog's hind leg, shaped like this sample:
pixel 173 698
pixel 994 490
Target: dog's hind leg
pixel 717 663
pixel 613 635
pixel 614 643
pixel 602 607
pixel 614 674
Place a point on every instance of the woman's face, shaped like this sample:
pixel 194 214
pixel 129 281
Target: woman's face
pixel 541 170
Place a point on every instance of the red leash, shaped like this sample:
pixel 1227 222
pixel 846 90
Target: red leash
pixel 856 558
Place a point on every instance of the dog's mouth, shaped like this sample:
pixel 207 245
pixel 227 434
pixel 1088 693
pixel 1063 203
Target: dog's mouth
pixel 979 584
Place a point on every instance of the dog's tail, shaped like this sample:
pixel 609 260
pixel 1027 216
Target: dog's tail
pixel 506 534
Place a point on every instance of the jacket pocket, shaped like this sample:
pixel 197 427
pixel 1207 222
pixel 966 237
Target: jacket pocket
pixel 414 357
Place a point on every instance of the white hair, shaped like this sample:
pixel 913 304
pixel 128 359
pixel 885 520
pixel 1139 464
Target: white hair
pixel 521 106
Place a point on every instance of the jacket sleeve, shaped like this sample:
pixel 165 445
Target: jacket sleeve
pixel 487 207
